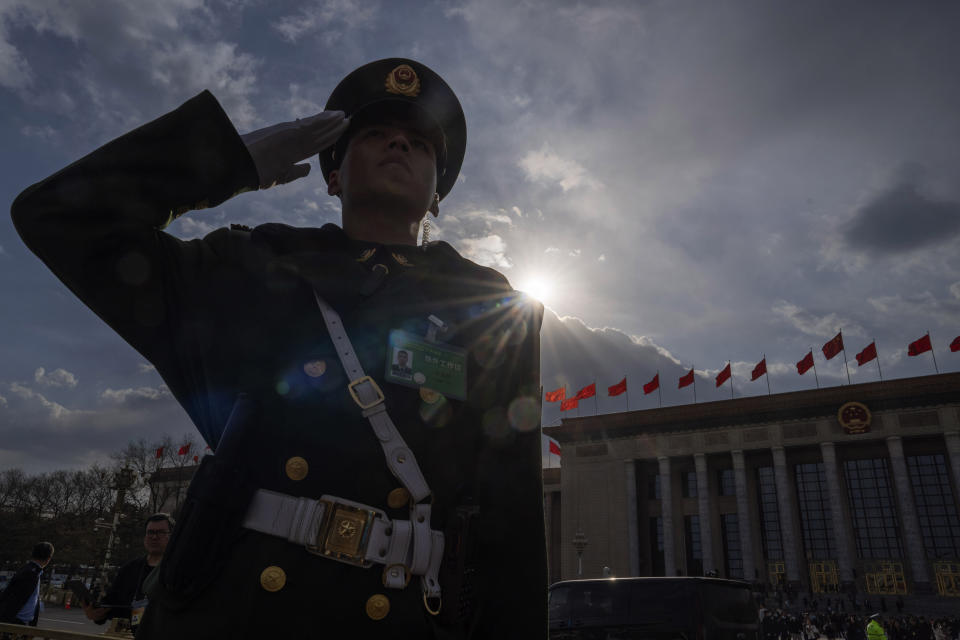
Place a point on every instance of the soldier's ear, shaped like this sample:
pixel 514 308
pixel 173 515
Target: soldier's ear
pixel 333 183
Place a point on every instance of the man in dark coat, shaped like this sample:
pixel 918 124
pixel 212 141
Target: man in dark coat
pixel 341 499
pixel 126 597
pixel 20 601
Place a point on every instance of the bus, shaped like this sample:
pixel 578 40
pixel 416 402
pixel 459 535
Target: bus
pixel 683 608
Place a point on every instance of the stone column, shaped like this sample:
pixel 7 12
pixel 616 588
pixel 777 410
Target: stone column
pixel 910 524
pixel 743 516
pixel 785 500
pixel 952 439
pixel 666 509
pixel 842 531
pixel 703 509
pixel 633 533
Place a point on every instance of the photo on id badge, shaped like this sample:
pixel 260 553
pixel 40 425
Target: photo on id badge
pixel 402 364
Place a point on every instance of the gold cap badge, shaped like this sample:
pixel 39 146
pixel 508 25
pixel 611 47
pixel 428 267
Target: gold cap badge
pixel 403 81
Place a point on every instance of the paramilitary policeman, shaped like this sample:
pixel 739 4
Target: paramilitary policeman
pixel 354 491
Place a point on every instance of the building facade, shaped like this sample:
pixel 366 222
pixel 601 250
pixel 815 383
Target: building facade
pixel 826 490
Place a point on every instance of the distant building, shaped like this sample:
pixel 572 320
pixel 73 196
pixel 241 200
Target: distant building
pixel 168 487
pixel 825 489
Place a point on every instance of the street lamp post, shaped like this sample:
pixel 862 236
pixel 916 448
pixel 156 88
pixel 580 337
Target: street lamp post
pixel 579 543
pixel 122 480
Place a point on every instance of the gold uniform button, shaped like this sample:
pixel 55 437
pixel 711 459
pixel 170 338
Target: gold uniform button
pixel 297 468
pixel 398 498
pixel 429 395
pixel 378 606
pixel 273 578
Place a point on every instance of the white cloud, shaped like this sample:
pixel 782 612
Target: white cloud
pixel 145 367
pixel 44 132
pixel 825 326
pixel 120 396
pixel 328 18
pixel 602 258
pixel 53 410
pixel 955 290
pixel 190 226
pixel 517 211
pixel 575 253
pixel 56 378
pixel 489 251
pixel 552 250
pixel 546 166
pixel 488 217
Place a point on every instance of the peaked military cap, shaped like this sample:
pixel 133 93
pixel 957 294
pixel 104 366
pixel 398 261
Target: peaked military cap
pixel 404 88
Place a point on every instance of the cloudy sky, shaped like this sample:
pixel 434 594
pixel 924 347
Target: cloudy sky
pixel 682 183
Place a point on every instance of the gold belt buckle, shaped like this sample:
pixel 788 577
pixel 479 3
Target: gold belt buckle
pixel 344 533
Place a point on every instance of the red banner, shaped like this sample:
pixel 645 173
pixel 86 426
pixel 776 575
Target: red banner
pixel 833 347
pixel 724 375
pixel 920 346
pixel 868 354
pixel 617 389
pixel 587 392
pixel 554 448
pixel 687 380
pixel 804 365
pixel 184 450
pixel 653 385
pixel 569 403
pixel 557 395
pixel 955 345
pixel 759 370
pixel 159 453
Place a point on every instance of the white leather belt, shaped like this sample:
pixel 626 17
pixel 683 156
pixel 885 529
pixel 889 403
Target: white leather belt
pixel 353 533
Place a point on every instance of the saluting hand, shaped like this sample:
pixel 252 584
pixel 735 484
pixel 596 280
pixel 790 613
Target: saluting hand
pixel 277 149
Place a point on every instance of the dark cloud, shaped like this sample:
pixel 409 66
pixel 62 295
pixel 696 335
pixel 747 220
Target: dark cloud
pixel 902 219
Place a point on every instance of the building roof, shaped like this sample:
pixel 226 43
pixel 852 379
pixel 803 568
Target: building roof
pixel 902 393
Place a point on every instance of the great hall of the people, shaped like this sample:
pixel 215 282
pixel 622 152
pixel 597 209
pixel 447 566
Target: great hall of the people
pixel 824 489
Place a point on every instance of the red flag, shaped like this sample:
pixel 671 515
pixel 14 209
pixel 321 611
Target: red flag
pixel 955 345
pixel 159 453
pixel 687 380
pixel 920 346
pixel 557 395
pixel 804 365
pixel 196 458
pixel 833 347
pixel 587 392
pixel 617 389
pixel 554 447
pixel 724 375
pixel 569 403
pixel 184 450
pixel 869 353
pixel 653 385
pixel 759 370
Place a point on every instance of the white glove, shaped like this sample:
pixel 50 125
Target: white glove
pixel 276 150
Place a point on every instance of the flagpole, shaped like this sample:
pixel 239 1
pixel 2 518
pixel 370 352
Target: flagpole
pixel 596 410
pixel 628 393
pixel 659 396
pixel 815 377
pixel 766 373
pixel 729 364
pixel 694 369
pixel 878 359
pixel 845 367
pixel 935 367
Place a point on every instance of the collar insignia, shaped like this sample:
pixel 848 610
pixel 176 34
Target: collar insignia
pixel 403 81
pixel 401 260
pixel 366 255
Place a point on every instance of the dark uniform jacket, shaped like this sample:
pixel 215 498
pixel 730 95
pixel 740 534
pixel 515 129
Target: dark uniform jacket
pixel 230 321
pixel 127 587
pixel 18 591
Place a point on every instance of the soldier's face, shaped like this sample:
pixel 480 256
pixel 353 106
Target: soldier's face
pixel 391 165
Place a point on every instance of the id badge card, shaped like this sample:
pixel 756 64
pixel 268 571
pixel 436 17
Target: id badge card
pixel 412 361
pixel 137 607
